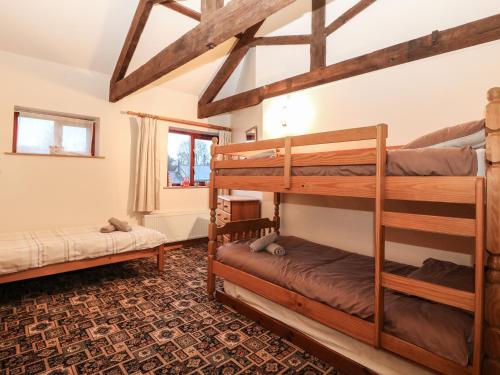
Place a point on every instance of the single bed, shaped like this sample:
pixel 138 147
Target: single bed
pixel 31 254
pixel 345 281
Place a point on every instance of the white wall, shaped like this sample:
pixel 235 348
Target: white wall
pixel 43 192
pixel 413 99
pixel 244 78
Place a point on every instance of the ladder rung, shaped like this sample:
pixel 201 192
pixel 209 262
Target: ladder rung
pixel 433 292
pixel 427 223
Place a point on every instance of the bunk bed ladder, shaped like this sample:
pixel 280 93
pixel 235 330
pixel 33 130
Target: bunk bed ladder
pixel 465 227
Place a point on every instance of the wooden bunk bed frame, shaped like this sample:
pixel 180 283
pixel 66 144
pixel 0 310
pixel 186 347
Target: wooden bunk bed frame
pixel 460 190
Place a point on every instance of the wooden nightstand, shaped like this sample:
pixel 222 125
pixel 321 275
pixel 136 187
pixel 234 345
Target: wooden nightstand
pixel 234 208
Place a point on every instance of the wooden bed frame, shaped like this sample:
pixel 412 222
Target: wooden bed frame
pixel 458 190
pixel 54 269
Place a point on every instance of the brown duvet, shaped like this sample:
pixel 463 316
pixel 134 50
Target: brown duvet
pixel 404 162
pixel 345 281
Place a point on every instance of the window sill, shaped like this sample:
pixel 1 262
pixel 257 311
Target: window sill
pixel 184 187
pixel 55 155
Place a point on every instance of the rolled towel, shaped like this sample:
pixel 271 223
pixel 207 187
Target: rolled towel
pixel 260 243
pixel 122 226
pixel 108 228
pixel 275 249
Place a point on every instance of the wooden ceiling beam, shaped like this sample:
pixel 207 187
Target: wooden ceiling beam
pixel 134 33
pixel 439 42
pixel 318 36
pixel 281 40
pixel 237 54
pixel 208 7
pixel 348 15
pixel 182 9
pixel 226 22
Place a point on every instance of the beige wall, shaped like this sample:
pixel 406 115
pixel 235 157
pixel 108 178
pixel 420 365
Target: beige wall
pixel 413 99
pixel 43 192
pixel 244 78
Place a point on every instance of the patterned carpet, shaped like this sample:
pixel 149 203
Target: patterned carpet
pixel 124 319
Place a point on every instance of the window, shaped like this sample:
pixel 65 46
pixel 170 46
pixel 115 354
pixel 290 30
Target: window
pixel 188 158
pixel 37 132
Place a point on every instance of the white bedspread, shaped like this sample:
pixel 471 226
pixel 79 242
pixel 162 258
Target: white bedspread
pixel 24 250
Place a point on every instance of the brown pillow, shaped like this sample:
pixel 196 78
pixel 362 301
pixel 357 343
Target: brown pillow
pixel 446 274
pixel 435 161
pixel 471 134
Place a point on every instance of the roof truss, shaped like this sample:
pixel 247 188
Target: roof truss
pixel 438 42
pixel 134 33
pixel 348 15
pixel 281 40
pixel 316 41
pixel 237 54
pixel 216 26
pixel 188 12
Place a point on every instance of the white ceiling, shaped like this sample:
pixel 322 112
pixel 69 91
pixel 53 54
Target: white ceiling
pixel 89 34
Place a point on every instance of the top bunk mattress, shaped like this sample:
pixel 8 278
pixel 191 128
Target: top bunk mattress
pixel 447 161
pixel 21 251
pixel 345 281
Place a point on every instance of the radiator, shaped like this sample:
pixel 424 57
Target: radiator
pixel 179 225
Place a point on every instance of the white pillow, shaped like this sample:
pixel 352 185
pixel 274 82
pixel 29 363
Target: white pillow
pixel 262 155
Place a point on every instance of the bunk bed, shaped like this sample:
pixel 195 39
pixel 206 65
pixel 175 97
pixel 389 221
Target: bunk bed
pixel 304 173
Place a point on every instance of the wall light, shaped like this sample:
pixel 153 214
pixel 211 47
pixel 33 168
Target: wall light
pixel 291 114
pixel 284 112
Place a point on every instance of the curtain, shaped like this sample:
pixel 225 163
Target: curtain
pixel 224 139
pixel 147 168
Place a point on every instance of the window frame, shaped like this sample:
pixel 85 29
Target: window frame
pixel 193 136
pixel 15 133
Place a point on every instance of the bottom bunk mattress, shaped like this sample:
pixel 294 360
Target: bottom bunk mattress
pixel 345 281
pixel 21 251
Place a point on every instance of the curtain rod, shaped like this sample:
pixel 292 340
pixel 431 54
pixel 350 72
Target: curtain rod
pixel 179 121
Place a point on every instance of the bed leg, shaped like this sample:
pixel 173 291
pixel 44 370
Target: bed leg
pixel 379 233
pixel 276 218
pixel 491 344
pixel 212 247
pixel 212 226
pixel 160 259
pixel 211 278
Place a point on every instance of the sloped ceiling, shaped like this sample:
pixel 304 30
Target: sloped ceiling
pixel 89 34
